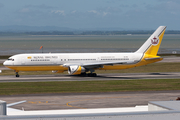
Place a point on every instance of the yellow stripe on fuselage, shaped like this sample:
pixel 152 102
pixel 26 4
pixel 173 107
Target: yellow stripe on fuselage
pixel 38 68
pixel 126 66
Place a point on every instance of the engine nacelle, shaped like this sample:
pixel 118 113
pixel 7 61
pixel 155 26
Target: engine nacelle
pixel 74 70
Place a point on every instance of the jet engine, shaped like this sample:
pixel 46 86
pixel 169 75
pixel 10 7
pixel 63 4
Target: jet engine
pixel 76 69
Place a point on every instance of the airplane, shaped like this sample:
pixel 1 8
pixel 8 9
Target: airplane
pixel 81 63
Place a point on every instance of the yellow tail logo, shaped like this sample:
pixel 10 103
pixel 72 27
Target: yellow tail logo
pixel 151 46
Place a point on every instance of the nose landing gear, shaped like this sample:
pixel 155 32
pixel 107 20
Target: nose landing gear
pixel 17 75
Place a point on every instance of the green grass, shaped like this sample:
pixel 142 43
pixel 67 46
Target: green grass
pixel 16 88
pixel 4 57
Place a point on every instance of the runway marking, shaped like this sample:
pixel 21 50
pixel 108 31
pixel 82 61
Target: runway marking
pixel 68 103
pixel 47 102
pixel 40 102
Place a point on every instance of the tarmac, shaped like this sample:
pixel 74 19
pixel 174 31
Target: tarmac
pixel 89 100
pixel 112 76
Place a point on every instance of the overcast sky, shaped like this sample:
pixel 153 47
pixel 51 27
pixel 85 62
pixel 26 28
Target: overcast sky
pixel 78 14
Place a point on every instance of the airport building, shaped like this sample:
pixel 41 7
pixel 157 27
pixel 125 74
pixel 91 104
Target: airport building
pixel 165 110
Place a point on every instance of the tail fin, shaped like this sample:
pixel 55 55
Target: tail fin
pixel 151 46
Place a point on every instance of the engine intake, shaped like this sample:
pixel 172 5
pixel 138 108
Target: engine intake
pixel 76 69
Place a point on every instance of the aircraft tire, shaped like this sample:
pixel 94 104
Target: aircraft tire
pixel 91 74
pixel 94 74
pixel 17 75
pixel 83 74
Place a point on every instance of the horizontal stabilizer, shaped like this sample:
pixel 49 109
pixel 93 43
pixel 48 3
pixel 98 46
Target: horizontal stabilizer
pixel 153 58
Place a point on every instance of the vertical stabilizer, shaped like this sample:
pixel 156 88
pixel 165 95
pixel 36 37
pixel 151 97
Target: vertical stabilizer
pixel 151 46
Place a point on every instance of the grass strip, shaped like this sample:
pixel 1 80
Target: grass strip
pixel 4 57
pixel 17 88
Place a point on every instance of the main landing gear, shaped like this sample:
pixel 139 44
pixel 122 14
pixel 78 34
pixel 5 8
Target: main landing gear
pixel 17 75
pixel 89 75
pixel 92 74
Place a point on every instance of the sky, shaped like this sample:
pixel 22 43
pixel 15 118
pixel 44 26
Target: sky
pixel 85 14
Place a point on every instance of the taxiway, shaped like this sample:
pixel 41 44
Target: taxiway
pixel 89 100
pixel 112 76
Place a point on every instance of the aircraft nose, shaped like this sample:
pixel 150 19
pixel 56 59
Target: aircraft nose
pixel 6 63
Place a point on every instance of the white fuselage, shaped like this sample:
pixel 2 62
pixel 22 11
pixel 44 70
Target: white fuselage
pixel 72 58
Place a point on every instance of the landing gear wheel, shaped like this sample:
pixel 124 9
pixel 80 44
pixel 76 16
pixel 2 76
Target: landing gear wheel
pixel 89 75
pixel 17 75
pixel 83 74
pixel 92 74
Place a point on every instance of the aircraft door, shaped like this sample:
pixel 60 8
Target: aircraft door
pixel 23 61
pixel 54 59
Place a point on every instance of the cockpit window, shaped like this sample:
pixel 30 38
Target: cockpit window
pixel 10 59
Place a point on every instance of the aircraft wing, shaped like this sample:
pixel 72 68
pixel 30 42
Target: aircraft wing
pixel 107 63
pixel 99 64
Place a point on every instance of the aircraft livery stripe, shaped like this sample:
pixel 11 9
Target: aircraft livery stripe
pixel 75 70
pixel 162 31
